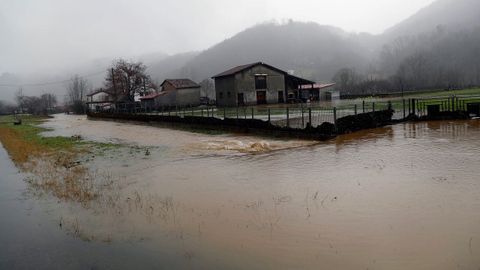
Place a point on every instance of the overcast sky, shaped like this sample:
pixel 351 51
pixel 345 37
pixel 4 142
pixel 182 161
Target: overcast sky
pixel 53 33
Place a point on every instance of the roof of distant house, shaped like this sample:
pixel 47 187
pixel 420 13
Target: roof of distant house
pixel 241 68
pixel 181 83
pixel 98 92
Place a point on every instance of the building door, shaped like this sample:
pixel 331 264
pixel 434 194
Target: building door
pixel 240 100
pixel 261 97
pixel 280 97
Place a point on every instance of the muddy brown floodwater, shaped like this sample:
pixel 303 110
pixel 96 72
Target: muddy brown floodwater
pixel 399 197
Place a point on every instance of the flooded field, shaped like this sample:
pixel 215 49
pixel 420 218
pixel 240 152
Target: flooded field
pixel 399 197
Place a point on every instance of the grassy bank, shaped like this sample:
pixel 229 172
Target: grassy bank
pixel 23 142
pixel 52 162
pixel 443 93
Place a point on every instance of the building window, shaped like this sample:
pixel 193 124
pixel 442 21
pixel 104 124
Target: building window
pixel 261 82
pixel 228 94
pixel 220 95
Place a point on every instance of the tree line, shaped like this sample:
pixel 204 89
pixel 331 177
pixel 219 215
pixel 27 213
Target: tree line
pixel 441 59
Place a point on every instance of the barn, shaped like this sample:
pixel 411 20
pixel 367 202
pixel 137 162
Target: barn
pixel 257 83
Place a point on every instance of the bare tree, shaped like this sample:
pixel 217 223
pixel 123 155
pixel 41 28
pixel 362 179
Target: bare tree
pixel 125 79
pixel 47 103
pixel 207 89
pixel 20 99
pixel 6 107
pixel 346 79
pixel 76 93
pixel 400 79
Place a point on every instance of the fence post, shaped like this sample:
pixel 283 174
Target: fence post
pixel 403 101
pixel 224 113
pixel 269 115
pixel 303 119
pixel 335 115
pixel 253 115
pixel 237 112
pixel 355 109
pixel 373 106
pixel 413 106
pixel 310 116
pixel 389 105
pixel 363 106
pixel 288 118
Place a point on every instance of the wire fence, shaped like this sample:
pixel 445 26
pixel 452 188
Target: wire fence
pixel 314 114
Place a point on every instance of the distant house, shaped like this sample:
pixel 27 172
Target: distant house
pixel 99 100
pixel 174 92
pixel 257 83
pixel 318 92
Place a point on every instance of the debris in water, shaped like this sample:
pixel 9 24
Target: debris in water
pixel 77 137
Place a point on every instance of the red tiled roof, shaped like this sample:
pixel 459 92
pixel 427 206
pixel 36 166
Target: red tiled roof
pixel 181 83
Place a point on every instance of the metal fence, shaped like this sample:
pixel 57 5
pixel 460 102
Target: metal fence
pixel 425 106
pixel 284 115
pixel 300 115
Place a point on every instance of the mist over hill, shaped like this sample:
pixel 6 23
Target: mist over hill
pixel 451 14
pixel 438 47
pixel 311 50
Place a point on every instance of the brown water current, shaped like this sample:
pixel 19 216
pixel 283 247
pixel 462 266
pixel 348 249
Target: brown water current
pixel 399 197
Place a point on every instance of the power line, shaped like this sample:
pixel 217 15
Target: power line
pixel 52 82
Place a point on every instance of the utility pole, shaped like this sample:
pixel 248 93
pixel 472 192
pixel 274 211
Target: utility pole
pixel 115 95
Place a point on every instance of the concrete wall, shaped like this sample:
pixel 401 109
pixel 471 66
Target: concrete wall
pixel 222 87
pixel 182 97
pixel 188 97
pixel 244 82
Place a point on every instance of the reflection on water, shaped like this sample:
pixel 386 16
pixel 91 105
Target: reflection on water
pixel 399 197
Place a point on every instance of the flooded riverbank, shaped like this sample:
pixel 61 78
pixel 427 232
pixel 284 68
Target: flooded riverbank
pixel 399 197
